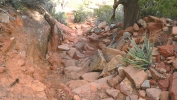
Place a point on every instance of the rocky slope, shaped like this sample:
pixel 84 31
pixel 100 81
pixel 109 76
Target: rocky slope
pixel 87 65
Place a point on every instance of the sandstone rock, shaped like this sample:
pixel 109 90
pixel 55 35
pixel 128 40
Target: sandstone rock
pixel 69 62
pixel 97 62
pixel 142 23
pixel 174 38
pixel 80 45
pixel 153 93
pixel 73 72
pixel 155 51
pixel 102 24
pixel 156 74
pixel 165 29
pixel 135 27
pixel 76 97
pixel 113 64
pixel 129 29
pixel 152 82
pixel 4 18
pixel 91 76
pixel 121 72
pixel 63 47
pixel 73 84
pixel 87 47
pixel 93 37
pixel 114 81
pixel 120 43
pixel 146 84
pixel 132 97
pixel 78 55
pixel 174 30
pixel 108 99
pixel 2 69
pixel 8 44
pixel 126 35
pixel 55 60
pixel 163 84
pixel 166 50
pixel 121 96
pixel 112 92
pixel 126 87
pixel 71 52
pixel 173 86
pixel 110 53
pixel 164 95
pixel 107 28
pixel 161 65
pixel 175 63
pixel 97 30
pixel 142 93
pixel 135 75
pixel 88 89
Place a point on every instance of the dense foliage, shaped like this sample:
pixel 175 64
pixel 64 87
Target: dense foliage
pixel 159 8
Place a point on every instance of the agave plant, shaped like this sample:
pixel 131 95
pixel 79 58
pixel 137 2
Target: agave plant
pixel 140 56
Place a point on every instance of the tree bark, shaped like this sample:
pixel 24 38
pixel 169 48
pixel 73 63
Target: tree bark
pixel 131 11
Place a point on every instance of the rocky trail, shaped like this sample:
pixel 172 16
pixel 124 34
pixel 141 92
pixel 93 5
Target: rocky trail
pixel 87 63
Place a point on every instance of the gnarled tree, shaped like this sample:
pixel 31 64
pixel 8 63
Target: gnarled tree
pixel 131 11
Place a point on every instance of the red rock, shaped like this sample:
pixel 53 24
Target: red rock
pixel 78 55
pixel 126 87
pixel 91 76
pixel 129 29
pixel 55 60
pixel 63 47
pixel 152 82
pixel 161 65
pixel 74 72
pixel 8 44
pixel 94 37
pixel 141 31
pixel 173 86
pixel 102 24
pixel 164 95
pixel 163 84
pixel 88 90
pixel 153 93
pixel 167 68
pixel 2 69
pixel 135 27
pixel 166 50
pixel 175 63
pixel 137 76
pixel 71 52
pixel 155 74
pixel 174 30
pixel 158 58
pixel 142 93
pixel 87 47
pixel 76 97
pixel 112 82
pixel 155 27
pixel 112 92
pixel 110 53
pixel 132 97
pixel 73 84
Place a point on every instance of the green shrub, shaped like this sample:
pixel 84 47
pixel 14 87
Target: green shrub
pixel 140 56
pixel 80 16
pixel 104 13
pixel 18 5
pixel 62 18
pixel 159 8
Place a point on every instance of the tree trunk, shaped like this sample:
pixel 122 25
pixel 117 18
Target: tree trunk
pixel 131 11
